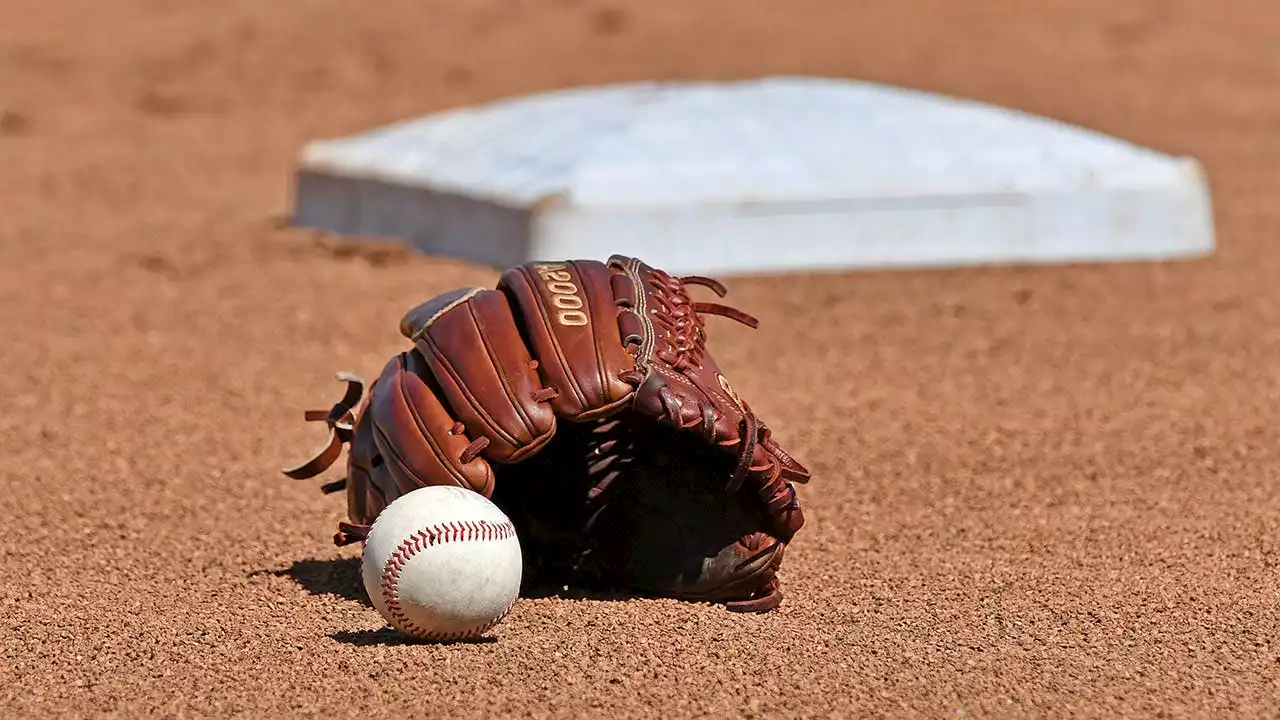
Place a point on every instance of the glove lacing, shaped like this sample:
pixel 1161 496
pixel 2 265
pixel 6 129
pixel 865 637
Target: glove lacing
pixel 683 347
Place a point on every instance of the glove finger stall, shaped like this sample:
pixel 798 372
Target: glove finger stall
pixel 415 435
pixel 570 316
pixel 485 374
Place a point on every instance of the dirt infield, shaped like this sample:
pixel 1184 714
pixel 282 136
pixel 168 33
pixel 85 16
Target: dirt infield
pixel 1038 492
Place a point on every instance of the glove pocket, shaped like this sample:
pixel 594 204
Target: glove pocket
pixel 483 370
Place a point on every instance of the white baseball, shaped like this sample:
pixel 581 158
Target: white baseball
pixel 442 563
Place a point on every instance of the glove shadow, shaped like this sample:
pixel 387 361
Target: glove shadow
pixel 663 525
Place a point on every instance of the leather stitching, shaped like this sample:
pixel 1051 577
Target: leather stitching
pixel 426 434
pixel 479 407
pixel 431 321
pixel 641 309
pixel 549 328
pixel 439 534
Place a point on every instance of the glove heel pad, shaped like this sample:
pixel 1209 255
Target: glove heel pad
pixel 569 315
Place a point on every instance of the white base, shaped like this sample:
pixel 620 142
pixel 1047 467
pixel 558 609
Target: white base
pixel 783 174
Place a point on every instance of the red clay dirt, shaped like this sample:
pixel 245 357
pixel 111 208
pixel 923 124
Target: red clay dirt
pixel 1038 491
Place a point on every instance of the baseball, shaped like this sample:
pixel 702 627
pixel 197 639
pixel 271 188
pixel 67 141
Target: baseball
pixel 442 563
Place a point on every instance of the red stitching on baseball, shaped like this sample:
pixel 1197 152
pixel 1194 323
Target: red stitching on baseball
pixel 425 538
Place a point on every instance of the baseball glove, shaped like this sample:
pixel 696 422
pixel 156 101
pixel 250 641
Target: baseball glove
pixel 579 396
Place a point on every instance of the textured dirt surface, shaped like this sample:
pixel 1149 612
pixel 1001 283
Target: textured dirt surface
pixel 1038 492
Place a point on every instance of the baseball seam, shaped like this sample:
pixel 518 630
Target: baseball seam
pixel 450 532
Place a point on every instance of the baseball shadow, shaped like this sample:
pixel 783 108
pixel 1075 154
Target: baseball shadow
pixel 339 577
pixel 388 636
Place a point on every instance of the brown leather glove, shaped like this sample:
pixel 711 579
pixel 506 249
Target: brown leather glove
pixel 579 396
